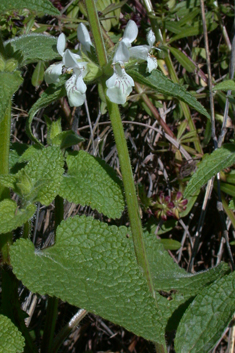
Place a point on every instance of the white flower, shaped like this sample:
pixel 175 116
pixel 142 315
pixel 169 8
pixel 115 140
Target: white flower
pixel 143 52
pixel 75 85
pixel 119 85
pixel 55 70
pixel 84 37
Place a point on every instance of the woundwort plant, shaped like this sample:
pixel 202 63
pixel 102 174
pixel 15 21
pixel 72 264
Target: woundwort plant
pixel 112 267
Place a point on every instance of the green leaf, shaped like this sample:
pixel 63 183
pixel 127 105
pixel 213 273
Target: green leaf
pixel 51 94
pixel 38 74
pixel 16 150
pixel 40 179
pixel 67 139
pixel 211 165
pixel 90 181
pixel 226 85
pixel 227 188
pixel 183 59
pixel 164 85
pixel 167 275
pixel 9 84
pixel 170 244
pixel 207 317
pixel 40 6
pixel 34 47
pixel 195 29
pixel 31 153
pixel 12 217
pixel 8 180
pixel 93 266
pixel 11 339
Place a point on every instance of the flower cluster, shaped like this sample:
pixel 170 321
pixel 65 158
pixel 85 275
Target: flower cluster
pixel 120 84
pixel 168 206
pixel 71 63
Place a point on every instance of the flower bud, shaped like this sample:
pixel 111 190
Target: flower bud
pixel 93 72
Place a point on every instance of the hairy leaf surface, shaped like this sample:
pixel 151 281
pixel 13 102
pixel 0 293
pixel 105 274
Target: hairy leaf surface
pixel 35 47
pixel 40 179
pixel 9 83
pixel 11 339
pixel 39 6
pixel 90 181
pixel 206 318
pixel 211 165
pixel 12 217
pixel 93 266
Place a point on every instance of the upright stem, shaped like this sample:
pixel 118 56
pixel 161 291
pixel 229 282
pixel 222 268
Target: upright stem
pixel 128 181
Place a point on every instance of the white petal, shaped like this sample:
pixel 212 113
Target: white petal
pixel 84 37
pixel 139 52
pixel 70 59
pixel 80 85
pixel 116 95
pixel 130 33
pixel 75 91
pixel 119 85
pixel 53 73
pixel 81 69
pixel 61 43
pixel 122 54
pixel 151 38
pixel 151 63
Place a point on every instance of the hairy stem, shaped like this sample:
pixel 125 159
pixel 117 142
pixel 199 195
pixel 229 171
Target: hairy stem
pixel 128 181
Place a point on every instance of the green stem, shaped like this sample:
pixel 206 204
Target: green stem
pixel 96 31
pixel 130 192
pixel 128 181
pixel 52 307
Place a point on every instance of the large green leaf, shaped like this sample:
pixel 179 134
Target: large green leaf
pixel 12 217
pixel 39 6
pixel 90 181
pixel 11 339
pixel 9 83
pixel 93 265
pixel 34 47
pixel 211 165
pixel 162 84
pixel 51 94
pixel 207 317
